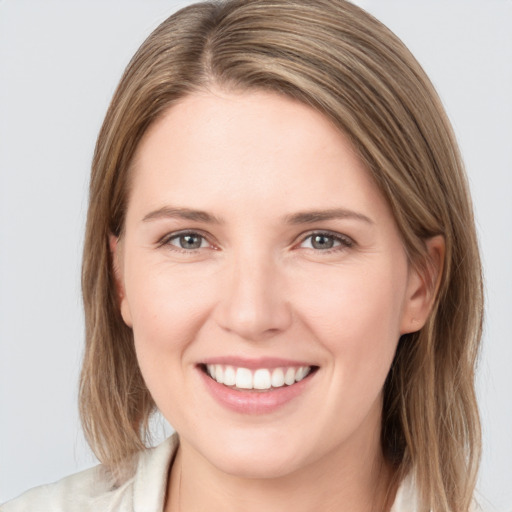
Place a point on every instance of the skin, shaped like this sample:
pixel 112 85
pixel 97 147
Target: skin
pixel 257 287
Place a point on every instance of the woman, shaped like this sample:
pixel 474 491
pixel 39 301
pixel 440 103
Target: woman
pixel 280 255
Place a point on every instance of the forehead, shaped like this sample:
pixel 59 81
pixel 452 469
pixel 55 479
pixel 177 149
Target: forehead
pixel 218 148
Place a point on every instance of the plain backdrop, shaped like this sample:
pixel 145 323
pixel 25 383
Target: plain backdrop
pixel 59 64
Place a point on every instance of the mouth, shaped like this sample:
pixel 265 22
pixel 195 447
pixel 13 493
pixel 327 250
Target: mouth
pixel 257 379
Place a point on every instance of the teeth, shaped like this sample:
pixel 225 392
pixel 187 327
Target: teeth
pixel 277 379
pixel 261 379
pixel 289 376
pixel 229 376
pixel 219 374
pixel 243 378
pixel 301 373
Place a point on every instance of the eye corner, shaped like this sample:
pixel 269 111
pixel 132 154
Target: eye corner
pixel 197 241
pixel 325 241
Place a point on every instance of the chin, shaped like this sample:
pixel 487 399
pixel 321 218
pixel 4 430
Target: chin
pixel 259 458
pixel 256 467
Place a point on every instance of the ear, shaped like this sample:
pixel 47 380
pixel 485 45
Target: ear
pixel 117 266
pixel 422 286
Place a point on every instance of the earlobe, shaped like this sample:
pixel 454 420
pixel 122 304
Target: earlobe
pixel 423 285
pixel 117 268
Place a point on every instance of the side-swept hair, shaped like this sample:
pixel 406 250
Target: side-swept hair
pixel 338 59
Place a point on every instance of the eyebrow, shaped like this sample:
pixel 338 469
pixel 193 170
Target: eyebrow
pixel 167 212
pixel 307 217
pixel 313 216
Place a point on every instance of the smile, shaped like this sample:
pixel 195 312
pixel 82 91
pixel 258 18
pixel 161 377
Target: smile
pixel 251 386
pixel 257 379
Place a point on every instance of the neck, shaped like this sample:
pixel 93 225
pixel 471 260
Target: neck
pixel 355 482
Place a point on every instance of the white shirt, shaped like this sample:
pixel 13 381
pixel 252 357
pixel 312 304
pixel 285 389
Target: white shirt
pixel 92 491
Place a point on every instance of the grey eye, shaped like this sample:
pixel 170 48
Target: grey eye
pixel 188 241
pixel 322 241
pixel 325 241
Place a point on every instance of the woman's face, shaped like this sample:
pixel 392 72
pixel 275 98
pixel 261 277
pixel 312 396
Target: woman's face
pixel 258 250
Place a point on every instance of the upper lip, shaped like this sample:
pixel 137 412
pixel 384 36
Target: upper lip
pixel 255 363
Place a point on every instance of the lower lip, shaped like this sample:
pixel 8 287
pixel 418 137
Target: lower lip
pixel 252 401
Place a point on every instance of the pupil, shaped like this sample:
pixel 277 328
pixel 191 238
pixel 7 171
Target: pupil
pixel 190 241
pixel 322 242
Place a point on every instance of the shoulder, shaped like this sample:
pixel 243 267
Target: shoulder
pixel 81 491
pixel 96 490
pixel 408 499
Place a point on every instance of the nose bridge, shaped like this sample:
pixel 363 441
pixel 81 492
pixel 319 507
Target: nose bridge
pixel 253 303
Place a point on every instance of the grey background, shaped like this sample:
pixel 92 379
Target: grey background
pixel 59 64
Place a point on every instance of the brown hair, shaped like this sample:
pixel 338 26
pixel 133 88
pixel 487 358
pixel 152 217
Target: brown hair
pixel 338 59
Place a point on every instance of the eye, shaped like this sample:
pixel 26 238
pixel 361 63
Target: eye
pixel 326 241
pixel 188 241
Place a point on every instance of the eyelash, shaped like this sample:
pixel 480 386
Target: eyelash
pixel 166 241
pixel 344 241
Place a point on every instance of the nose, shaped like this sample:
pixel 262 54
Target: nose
pixel 253 302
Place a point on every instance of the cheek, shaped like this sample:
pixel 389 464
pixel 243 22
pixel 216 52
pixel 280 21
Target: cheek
pixel 168 308
pixel 355 314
